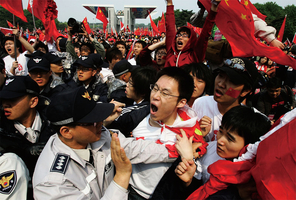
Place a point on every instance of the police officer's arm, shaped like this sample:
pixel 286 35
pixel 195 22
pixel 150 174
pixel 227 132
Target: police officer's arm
pixel 143 151
pixel 122 163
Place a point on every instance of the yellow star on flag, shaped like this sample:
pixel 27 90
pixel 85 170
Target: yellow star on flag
pixel 244 17
pixel 226 1
pixel 246 3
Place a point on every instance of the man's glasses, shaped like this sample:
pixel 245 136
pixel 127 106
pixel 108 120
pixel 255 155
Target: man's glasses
pixel 183 35
pixel 165 94
pixel 161 54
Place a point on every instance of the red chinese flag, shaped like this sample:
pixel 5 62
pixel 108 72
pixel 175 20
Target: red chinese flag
pixel 236 23
pixel 294 39
pixel 274 172
pixel 6 31
pixel 153 25
pixel 86 26
pixel 281 32
pixel 121 26
pixel 254 9
pixel 127 28
pixel 39 6
pixel 161 24
pixel 9 24
pixel 112 32
pixel 15 7
pixel 100 16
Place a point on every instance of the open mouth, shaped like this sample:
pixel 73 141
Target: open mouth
pixel 153 108
pixel 7 113
pixel 218 93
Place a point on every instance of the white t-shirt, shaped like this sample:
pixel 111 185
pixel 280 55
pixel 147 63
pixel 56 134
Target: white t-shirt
pixel 106 74
pixel 22 69
pixel 132 61
pixel 206 105
pixel 209 158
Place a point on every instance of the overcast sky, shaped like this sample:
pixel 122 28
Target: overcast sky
pixel 74 8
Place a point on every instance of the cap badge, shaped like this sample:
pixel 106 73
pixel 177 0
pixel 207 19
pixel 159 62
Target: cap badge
pixel 8 81
pixel 84 57
pixel 55 53
pixel 37 60
pixel 86 96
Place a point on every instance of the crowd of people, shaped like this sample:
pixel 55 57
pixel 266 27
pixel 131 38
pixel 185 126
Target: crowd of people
pixel 100 116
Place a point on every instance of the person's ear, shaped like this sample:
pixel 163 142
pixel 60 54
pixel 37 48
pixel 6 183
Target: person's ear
pixel 181 103
pixel 33 102
pixel 244 93
pixel 66 132
pixel 94 72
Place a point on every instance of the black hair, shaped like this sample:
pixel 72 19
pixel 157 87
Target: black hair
pixel 41 45
pixel 274 82
pixel 144 44
pixel 185 81
pixel 201 71
pixel 120 42
pixel 88 45
pixel 142 78
pixel 77 45
pixel 185 29
pixel 113 53
pixel 246 123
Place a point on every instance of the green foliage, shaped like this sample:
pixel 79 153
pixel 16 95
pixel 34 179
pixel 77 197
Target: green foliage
pixel 181 17
pixel 275 16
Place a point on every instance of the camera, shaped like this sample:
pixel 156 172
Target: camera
pixel 76 27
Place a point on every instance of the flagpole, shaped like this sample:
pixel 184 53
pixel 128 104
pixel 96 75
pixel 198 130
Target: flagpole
pixel 33 16
pixel 14 38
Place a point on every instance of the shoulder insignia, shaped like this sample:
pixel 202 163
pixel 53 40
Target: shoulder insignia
pixel 8 181
pixel 60 163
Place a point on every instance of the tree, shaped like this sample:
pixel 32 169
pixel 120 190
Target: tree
pixel 181 17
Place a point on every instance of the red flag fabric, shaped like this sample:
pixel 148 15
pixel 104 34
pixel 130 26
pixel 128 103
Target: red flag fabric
pixel 154 27
pixel 131 51
pixel 112 31
pixel 15 7
pixel 161 24
pixel 100 16
pixel 121 26
pixel 281 32
pixel 127 28
pixel 236 23
pixel 196 29
pixel 287 43
pixel 41 35
pixel 86 26
pixel 39 7
pixel 254 9
pixel 49 24
pixel 6 31
pixel 137 31
pixel 294 39
pixel 274 172
pixel 9 24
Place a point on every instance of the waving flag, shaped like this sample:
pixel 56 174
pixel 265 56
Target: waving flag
pixel 161 24
pixel 37 7
pixel 236 23
pixel 281 32
pixel 6 31
pixel 154 27
pixel 9 24
pixel 294 39
pixel 86 25
pixel 121 26
pixel 15 7
pixel 100 16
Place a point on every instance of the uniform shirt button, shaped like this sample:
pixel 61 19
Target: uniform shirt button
pixel 102 156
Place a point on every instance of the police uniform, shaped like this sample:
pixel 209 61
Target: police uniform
pixel 14 177
pixel 69 176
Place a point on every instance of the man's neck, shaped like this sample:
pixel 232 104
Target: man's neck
pixel 13 54
pixel 28 120
pixel 223 108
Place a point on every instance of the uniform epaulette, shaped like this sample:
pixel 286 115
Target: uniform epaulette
pixel 60 163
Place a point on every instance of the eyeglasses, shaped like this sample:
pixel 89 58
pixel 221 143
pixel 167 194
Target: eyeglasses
pixel 184 35
pixel 165 94
pixel 237 64
pixel 161 54
pixel 84 69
